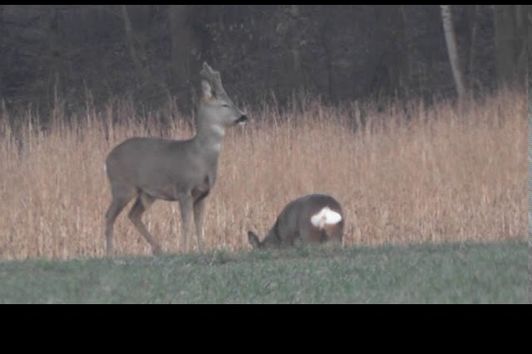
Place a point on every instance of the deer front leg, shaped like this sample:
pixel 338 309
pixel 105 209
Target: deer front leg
pixel 199 213
pixel 186 206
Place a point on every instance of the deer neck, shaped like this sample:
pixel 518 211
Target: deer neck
pixel 209 138
pixel 272 238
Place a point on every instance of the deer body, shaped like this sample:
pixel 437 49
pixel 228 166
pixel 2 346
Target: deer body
pixel 314 218
pixel 173 170
pixel 149 165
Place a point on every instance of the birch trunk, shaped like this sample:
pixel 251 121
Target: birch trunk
pixel 130 40
pixel 450 39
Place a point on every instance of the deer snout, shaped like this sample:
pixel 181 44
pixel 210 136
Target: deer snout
pixel 243 118
pixel 253 240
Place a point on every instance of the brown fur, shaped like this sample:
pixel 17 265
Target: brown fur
pixel 293 224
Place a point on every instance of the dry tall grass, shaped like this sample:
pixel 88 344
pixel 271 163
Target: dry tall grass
pixel 442 176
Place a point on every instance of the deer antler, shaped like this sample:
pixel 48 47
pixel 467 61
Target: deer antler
pixel 214 78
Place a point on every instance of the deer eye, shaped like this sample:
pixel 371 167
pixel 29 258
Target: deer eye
pixel 225 105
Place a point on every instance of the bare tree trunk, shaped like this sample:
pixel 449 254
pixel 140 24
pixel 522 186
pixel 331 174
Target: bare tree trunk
pixel 181 47
pixel 405 75
pixel 529 14
pixel 328 50
pixel 450 39
pixel 395 47
pixel 510 45
pixel 529 21
pixel 180 43
pixel 56 52
pixel 130 39
pixel 294 47
pixel 472 43
pixel 3 31
pixel 521 46
pixel 3 36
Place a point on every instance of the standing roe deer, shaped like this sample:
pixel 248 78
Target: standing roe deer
pixel 174 170
pixel 314 218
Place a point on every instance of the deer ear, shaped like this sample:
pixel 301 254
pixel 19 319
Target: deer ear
pixel 206 66
pixel 253 240
pixel 206 90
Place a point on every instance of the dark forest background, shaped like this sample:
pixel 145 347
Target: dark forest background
pixel 150 53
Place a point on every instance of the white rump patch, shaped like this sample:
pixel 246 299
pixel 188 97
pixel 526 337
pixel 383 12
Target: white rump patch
pixel 325 216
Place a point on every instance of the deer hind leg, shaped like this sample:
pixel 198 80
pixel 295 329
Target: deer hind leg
pixel 142 204
pixel 120 199
pixel 337 233
pixel 332 235
pixel 311 234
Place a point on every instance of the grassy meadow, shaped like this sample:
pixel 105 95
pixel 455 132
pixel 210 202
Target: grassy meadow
pixel 459 273
pixel 404 175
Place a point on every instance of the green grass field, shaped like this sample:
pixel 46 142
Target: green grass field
pixel 458 273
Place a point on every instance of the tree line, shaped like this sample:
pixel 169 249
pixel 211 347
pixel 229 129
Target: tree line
pixel 337 52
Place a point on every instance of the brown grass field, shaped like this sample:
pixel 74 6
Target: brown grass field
pixel 440 176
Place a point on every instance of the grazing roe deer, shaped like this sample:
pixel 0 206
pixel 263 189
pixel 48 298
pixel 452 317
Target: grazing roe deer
pixel 314 218
pixel 173 170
